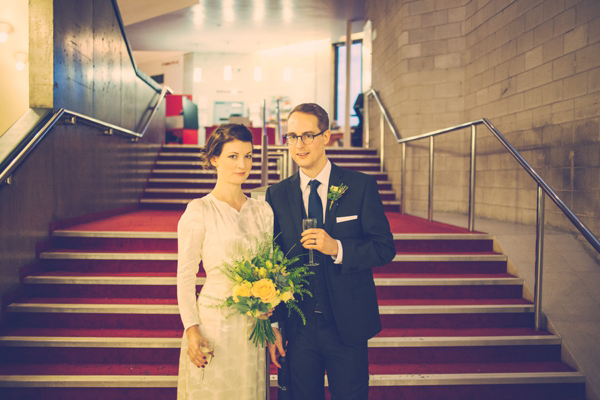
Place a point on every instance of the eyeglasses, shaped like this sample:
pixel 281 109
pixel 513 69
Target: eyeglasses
pixel 307 138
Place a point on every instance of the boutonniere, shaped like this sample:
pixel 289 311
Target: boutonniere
pixel 335 192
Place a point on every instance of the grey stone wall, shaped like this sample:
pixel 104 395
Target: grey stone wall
pixel 76 170
pixel 532 67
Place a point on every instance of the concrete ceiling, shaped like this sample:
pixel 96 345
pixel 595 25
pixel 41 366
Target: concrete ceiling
pixel 235 26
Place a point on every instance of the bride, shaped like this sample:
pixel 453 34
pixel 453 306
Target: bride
pixel 217 360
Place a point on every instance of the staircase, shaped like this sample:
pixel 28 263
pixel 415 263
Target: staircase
pixel 178 176
pixel 99 318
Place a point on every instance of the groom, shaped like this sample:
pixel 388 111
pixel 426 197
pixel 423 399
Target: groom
pixel 352 236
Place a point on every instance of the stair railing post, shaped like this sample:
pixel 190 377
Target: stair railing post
pixel 539 257
pixel 403 184
pixel 430 200
pixel 472 179
pixel 381 138
pixel 279 138
pixel 264 171
pixel 367 120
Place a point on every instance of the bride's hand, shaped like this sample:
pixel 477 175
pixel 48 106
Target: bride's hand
pixel 267 315
pixel 196 341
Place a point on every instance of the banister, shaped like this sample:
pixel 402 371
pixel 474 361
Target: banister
pixel 516 155
pixel 16 157
pixel 542 187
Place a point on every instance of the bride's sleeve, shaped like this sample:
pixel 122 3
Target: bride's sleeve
pixel 190 236
pixel 269 219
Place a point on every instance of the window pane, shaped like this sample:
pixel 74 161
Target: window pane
pixel 355 82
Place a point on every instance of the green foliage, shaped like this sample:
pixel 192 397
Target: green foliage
pixel 265 264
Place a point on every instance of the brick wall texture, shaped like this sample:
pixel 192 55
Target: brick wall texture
pixel 532 67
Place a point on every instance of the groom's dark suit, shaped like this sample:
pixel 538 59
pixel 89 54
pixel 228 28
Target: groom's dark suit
pixel 357 219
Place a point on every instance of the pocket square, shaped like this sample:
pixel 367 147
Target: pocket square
pixel 344 219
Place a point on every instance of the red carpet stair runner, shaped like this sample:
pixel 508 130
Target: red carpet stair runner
pixel 100 321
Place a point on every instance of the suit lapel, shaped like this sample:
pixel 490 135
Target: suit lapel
pixel 335 179
pixel 295 201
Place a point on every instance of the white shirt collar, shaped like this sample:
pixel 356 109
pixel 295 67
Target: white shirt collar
pixel 322 177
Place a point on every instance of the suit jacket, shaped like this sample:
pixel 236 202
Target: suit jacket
pixel 366 240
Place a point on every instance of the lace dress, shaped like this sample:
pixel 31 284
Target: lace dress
pixel 212 231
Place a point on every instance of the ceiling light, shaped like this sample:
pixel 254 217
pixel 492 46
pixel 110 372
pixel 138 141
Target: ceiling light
pixel 287 11
pixel 257 74
pixel 259 10
pixel 228 11
pixel 5 31
pixel 227 73
pixel 21 61
pixel 198 14
pixel 287 74
pixel 198 74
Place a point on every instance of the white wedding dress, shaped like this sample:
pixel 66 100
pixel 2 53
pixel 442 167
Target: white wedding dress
pixel 212 231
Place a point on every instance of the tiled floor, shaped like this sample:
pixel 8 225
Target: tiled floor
pixel 570 289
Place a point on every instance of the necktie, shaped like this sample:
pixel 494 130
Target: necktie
pixel 315 206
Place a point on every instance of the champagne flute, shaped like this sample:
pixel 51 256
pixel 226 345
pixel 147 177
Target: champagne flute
pixel 310 223
pixel 207 350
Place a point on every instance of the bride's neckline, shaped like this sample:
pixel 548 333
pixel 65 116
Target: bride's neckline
pixel 229 205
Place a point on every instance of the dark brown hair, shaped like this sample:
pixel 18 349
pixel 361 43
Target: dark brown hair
pixel 223 134
pixel 316 110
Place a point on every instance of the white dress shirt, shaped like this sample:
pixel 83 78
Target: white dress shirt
pixel 322 177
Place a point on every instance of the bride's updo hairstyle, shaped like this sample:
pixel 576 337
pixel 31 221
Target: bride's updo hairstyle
pixel 223 134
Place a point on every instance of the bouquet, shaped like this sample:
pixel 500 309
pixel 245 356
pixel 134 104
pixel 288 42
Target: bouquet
pixel 262 279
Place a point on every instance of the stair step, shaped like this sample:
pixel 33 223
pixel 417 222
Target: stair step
pixel 382 184
pixel 137 306
pixel 50 279
pixel 203 174
pixel 389 205
pixel 128 350
pixel 167 241
pixel 121 286
pixel 83 255
pixel 376 379
pixel 175 342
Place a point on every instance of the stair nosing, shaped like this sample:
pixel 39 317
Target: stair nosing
pixel 375 379
pixel 173 235
pixel 449 257
pixel 442 236
pixel 115 234
pixel 50 255
pixel 169 281
pixel 172 309
pixel 181 180
pixel 171 256
pixel 376 342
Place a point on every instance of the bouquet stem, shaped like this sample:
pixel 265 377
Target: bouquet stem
pixel 262 332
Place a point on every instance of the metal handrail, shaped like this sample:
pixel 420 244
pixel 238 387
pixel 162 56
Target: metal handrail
pixel 72 118
pixel 383 115
pixel 542 187
pixel 148 80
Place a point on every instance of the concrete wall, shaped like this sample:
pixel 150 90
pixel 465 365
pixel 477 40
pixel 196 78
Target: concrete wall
pixel 530 66
pixel 14 100
pixel 76 170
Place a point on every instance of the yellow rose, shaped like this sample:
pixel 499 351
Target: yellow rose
pixel 269 264
pixel 334 188
pixel 242 291
pixel 276 301
pixel 265 289
pixel 262 272
pixel 286 296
